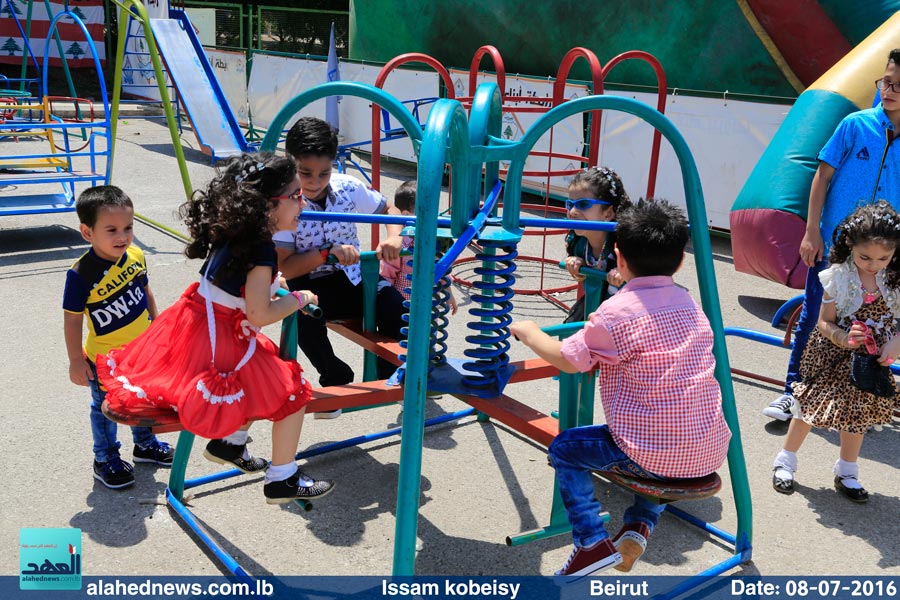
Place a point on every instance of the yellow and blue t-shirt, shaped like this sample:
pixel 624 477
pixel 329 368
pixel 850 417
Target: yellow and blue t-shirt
pixel 113 296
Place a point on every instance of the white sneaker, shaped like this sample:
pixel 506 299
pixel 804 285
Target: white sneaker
pixel 783 408
pixel 334 414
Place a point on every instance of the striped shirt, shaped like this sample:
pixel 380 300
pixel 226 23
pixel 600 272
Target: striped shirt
pixel 653 346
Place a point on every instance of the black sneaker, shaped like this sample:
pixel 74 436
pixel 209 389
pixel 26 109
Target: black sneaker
pixel 783 408
pixel 224 453
pixel 292 488
pixel 157 452
pixel 114 473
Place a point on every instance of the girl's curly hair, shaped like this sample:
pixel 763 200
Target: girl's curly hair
pixel 878 223
pixel 234 208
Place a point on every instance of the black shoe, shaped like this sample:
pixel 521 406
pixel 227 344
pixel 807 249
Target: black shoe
pixel 115 473
pixel 783 486
pixel 290 489
pixel 224 453
pixel 860 496
pixel 157 452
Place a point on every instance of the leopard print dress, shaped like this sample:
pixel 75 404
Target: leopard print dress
pixel 825 396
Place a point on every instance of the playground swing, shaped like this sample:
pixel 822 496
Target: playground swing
pixel 58 164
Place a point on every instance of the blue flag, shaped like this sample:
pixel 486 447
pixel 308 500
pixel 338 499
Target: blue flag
pixel 334 74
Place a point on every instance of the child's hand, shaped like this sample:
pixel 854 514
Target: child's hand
pixel 282 283
pixel 453 305
pixel 80 373
pixel 390 248
pixel 890 352
pixel 523 330
pixel 856 336
pixel 573 263
pixel 345 254
pixel 305 297
pixel 614 278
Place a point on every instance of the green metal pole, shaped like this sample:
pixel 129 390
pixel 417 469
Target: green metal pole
pixel 25 54
pixel 62 55
pixel 144 19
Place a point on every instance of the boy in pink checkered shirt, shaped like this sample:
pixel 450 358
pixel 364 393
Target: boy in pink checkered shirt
pixel 652 345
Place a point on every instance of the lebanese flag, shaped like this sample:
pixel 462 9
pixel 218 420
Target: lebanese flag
pixel 14 15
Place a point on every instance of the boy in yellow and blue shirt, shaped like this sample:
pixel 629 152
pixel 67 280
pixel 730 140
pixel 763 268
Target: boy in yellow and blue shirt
pixel 109 286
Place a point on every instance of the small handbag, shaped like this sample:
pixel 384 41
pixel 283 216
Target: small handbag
pixel 868 375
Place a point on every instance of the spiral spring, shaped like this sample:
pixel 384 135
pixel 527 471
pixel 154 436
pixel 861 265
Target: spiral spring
pixel 440 306
pixel 491 343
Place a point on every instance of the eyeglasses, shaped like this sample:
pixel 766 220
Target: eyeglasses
pixel 298 196
pixel 884 84
pixel 583 204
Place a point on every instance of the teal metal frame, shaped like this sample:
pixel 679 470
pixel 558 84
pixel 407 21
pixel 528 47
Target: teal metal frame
pixel 470 145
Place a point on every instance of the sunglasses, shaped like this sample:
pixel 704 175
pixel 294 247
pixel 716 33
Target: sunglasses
pixel 298 196
pixel 583 204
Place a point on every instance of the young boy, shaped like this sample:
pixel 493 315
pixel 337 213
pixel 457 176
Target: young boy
pixel 853 170
pixel 303 255
pixel 395 271
pixel 108 284
pixel 653 347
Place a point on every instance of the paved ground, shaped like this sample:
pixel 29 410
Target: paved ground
pixel 480 482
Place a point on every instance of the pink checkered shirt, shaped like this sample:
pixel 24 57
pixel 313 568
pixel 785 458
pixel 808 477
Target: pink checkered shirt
pixel 653 346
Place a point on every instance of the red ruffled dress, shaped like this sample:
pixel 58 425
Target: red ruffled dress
pixel 171 365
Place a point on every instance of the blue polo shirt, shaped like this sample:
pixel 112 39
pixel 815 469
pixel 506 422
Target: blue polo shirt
pixel 855 150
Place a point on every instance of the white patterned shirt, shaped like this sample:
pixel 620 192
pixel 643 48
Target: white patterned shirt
pixel 345 194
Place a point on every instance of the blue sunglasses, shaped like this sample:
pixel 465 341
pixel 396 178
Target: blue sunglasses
pixel 583 204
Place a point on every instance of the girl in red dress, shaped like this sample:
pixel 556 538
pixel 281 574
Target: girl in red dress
pixel 205 356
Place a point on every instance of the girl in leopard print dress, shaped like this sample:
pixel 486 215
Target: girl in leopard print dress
pixel 861 304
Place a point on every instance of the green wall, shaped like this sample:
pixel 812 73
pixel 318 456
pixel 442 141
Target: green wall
pixel 702 44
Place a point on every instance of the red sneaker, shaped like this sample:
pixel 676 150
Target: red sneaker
pixel 631 541
pixel 584 561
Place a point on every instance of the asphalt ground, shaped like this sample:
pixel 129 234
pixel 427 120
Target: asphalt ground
pixel 480 481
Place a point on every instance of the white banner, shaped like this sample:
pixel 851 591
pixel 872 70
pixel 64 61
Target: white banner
pixel 230 69
pixel 274 80
pixel 138 78
pixel 726 138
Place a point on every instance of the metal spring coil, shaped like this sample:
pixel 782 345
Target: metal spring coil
pixel 440 300
pixel 491 343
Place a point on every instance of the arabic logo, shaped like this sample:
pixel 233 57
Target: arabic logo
pixel 50 559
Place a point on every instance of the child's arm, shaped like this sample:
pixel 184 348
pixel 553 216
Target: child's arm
pixel 261 309
pixel 79 369
pixel 291 264
pixel 828 327
pixel 392 245
pixel 812 247
pixel 548 348
pixel 151 302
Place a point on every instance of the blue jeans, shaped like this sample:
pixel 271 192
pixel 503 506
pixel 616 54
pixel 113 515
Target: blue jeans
pixel 104 431
pixel 574 454
pixel 809 316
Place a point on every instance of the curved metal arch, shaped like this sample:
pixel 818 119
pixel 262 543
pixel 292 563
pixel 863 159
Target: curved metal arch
pixel 342 88
pixel 498 68
pixel 485 120
pixel 386 70
pixel 702 257
pixel 661 89
pixel 90 43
